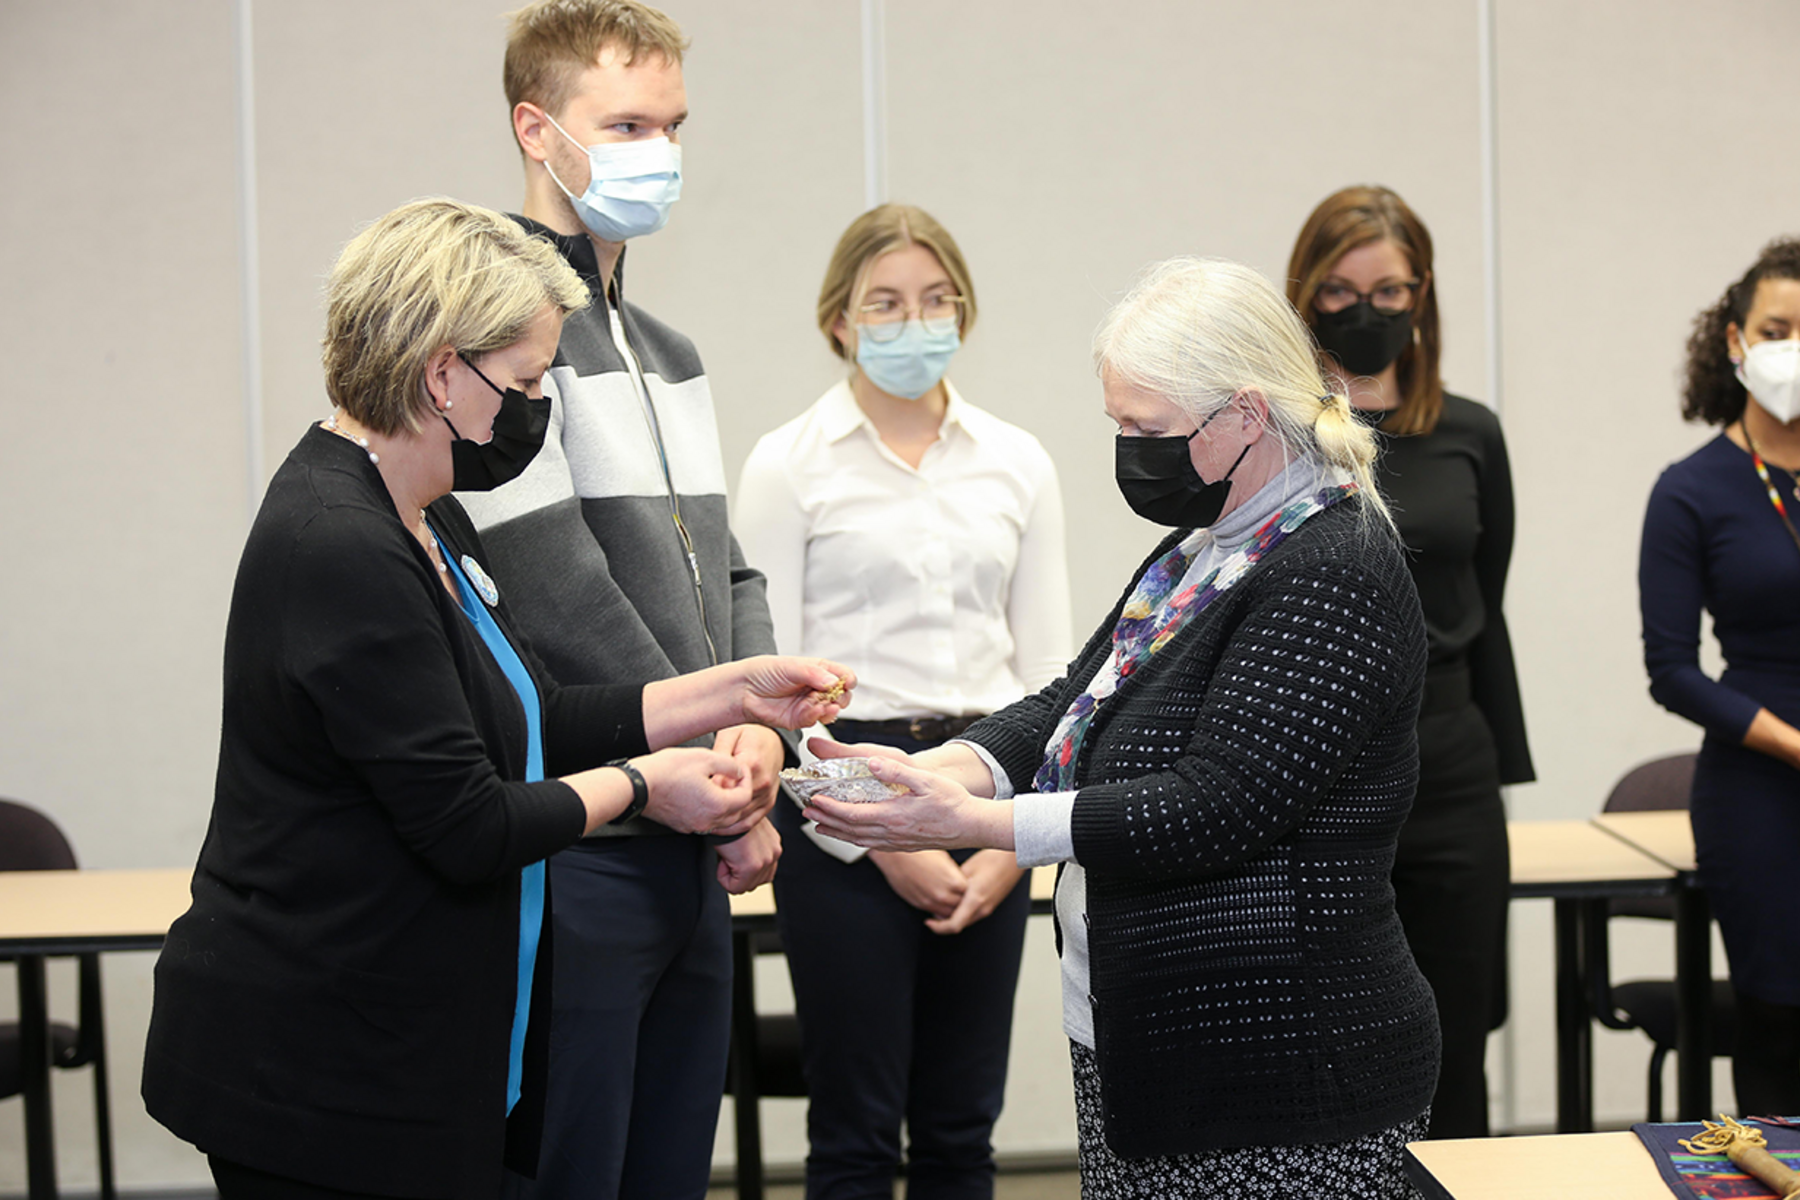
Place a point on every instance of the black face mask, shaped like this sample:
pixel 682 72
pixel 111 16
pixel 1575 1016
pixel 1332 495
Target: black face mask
pixel 1362 338
pixel 519 429
pixel 1157 478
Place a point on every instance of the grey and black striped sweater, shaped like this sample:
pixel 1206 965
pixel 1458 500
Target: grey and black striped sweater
pixel 584 542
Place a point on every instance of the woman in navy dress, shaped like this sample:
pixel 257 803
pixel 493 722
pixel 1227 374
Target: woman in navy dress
pixel 1720 534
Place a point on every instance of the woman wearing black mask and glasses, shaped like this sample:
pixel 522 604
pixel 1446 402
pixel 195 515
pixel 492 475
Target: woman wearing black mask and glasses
pixel 1224 769
pixel 356 1004
pixel 1361 277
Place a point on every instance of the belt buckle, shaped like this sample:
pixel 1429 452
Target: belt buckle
pixel 918 728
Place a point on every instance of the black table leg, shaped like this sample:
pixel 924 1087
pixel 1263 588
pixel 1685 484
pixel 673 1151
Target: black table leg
pixel 745 1095
pixel 34 1064
pixel 1693 1001
pixel 1574 1033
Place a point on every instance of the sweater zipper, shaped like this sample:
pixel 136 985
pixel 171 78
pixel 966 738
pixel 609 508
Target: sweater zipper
pixel 636 371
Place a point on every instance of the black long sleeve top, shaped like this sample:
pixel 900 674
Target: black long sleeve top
pixel 1239 801
pixel 336 1004
pixel 1452 497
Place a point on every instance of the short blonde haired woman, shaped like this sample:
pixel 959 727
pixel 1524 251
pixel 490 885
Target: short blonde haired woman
pixel 1224 769
pixel 355 1002
pixel 920 539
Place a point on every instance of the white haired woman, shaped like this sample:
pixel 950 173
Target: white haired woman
pixel 356 1004
pixel 1224 770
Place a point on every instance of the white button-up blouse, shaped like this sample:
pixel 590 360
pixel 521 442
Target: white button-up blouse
pixel 945 587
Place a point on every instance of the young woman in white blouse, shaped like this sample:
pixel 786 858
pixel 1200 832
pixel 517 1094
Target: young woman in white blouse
pixel 918 540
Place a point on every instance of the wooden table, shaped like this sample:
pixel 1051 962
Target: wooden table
pixel 1668 837
pixel 1576 864
pixel 71 912
pixel 1579 867
pixel 1592 1166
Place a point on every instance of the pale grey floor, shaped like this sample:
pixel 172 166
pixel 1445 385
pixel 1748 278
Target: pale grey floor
pixel 1033 1185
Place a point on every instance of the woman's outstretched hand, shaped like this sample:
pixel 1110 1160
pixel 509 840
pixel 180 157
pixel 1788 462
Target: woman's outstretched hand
pixel 792 693
pixel 934 813
pixel 768 689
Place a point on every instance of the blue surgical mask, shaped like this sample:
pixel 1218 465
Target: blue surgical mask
pixel 631 186
pixel 912 363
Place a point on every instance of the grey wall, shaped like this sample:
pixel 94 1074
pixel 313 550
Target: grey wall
pixel 1639 168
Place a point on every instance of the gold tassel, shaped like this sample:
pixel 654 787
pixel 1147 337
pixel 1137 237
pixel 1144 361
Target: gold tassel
pixel 1745 1147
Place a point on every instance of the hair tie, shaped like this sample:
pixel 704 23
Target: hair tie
pixel 1326 399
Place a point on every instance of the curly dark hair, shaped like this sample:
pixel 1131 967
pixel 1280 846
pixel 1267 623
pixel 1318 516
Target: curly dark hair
pixel 1712 393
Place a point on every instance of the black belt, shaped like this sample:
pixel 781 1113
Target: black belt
pixel 923 729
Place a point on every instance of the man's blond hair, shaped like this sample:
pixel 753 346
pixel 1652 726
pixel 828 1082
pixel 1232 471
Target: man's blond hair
pixel 550 43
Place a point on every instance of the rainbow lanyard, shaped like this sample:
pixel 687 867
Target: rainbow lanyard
pixel 1774 496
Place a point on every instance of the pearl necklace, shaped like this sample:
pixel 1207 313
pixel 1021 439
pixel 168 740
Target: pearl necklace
pixel 432 550
pixel 331 423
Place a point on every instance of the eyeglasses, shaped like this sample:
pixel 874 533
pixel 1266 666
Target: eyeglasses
pixel 884 320
pixel 1394 297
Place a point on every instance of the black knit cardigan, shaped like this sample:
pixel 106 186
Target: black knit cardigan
pixel 1239 801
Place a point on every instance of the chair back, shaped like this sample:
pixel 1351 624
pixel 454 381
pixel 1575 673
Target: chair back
pixel 30 841
pixel 1658 785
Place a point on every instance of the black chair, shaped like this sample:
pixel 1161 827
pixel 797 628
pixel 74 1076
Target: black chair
pixel 765 1057
pixel 1661 784
pixel 30 841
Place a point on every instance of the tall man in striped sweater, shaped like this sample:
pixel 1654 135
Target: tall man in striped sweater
pixel 614 552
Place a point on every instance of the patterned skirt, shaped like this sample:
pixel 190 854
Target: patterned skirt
pixel 1363 1168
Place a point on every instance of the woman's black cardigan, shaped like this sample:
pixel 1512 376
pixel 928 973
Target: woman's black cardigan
pixel 336 1004
pixel 1239 800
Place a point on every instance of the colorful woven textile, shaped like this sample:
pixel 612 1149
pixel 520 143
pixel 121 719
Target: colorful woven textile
pixel 1693 1176
pixel 1154 614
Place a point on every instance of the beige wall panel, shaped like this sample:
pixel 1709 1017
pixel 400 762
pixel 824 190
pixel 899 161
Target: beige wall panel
pixel 1633 192
pixel 773 162
pixel 122 484
pixel 361 107
pixel 1635 184
pixel 1067 150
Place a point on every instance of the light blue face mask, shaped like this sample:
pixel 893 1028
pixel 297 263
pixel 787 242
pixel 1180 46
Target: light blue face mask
pixel 911 364
pixel 631 186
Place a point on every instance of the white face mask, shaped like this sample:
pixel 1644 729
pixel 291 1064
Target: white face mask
pixel 631 186
pixel 1770 371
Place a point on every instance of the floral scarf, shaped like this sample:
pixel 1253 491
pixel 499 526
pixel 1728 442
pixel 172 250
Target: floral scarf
pixel 1154 614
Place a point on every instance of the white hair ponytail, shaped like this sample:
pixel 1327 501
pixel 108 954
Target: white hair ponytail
pixel 1198 331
